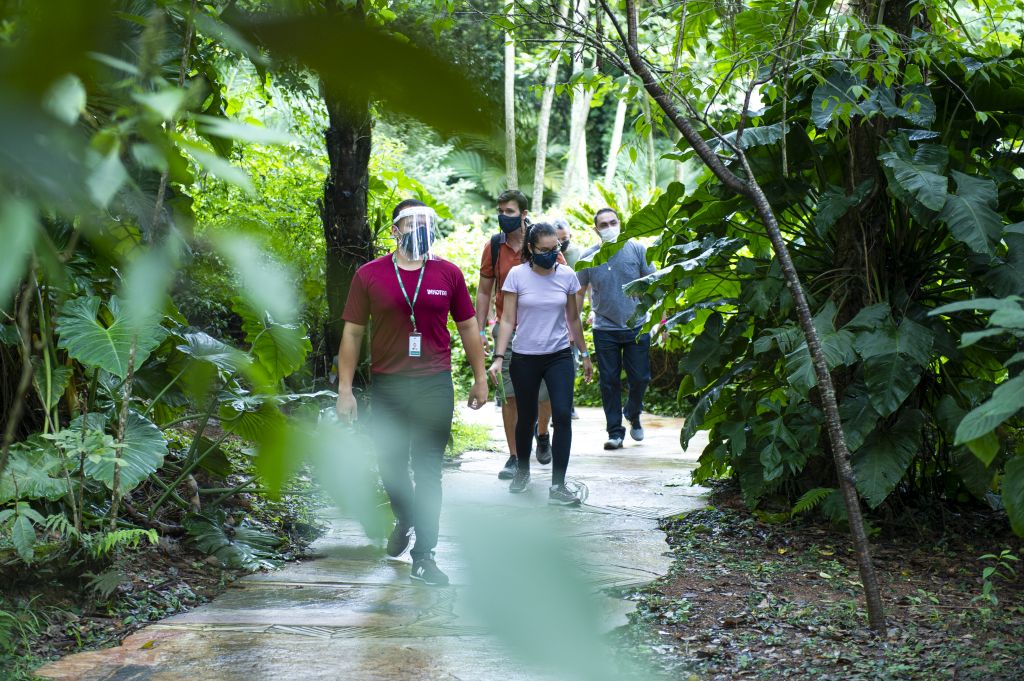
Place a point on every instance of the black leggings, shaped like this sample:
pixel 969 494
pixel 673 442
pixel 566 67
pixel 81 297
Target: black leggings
pixel 558 371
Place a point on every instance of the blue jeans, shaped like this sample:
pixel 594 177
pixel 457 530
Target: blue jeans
pixel 615 350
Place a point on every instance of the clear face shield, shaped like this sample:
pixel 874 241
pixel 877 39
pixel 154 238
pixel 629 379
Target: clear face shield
pixel 416 229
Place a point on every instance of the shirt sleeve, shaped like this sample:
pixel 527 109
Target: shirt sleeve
pixel 486 270
pixel 512 281
pixel 583 277
pixel 462 305
pixel 645 267
pixel 573 284
pixel 357 306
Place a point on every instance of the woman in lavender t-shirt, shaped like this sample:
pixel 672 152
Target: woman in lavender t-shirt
pixel 540 306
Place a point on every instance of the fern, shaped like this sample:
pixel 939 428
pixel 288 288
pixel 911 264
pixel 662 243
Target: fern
pixel 106 582
pixel 59 525
pixel 811 499
pixel 103 544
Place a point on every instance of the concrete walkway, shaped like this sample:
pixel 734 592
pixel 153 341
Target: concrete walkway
pixel 351 613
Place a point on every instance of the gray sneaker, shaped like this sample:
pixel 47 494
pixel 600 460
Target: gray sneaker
pixel 613 443
pixel 636 431
pixel 398 542
pixel 519 482
pixel 562 495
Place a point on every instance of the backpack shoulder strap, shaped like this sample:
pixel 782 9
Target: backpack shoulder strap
pixel 495 250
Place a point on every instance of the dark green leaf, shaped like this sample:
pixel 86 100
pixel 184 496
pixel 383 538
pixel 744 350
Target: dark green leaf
pixel 1006 401
pixel 1013 493
pixel 86 338
pixel 889 379
pixel 880 464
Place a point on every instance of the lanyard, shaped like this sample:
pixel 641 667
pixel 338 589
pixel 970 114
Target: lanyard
pixel 415 295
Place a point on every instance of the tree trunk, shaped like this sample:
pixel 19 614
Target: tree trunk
pixel 576 175
pixel 543 123
pixel 344 207
pixel 511 166
pixel 652 162
pixel 754 193
pixel 613 149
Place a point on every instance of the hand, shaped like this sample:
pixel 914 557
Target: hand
pixel 485 340
pixel 588 369
pixel 590 319
pixel 478 394
pixel 346 406
pixel 495 370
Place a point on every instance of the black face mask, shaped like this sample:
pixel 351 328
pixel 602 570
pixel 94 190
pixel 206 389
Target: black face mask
pixel 545 260
pixel 509 223
pixel 565 246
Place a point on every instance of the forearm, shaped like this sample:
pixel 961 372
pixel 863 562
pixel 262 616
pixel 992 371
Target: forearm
pixel 483 308
pixel 469 333
pixel 348 356
pixel 576 332
pixel 505 330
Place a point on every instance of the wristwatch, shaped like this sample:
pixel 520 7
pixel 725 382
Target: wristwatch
pixel 584 353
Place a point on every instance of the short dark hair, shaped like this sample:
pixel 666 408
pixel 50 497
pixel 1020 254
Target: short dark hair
pixel 533 234
pixel 604 210
pixel 408 203
pixel 514 195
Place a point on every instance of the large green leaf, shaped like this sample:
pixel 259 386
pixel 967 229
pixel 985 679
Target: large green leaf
pixel 970 213
pixel 909 339
pixel 409 79
pixel 276 349
pixel 1006 401
pixel 924 185
pixel 18 226
pixel 33 472
pixel 889 379
pixel 252 422
pixel 87 338
pixel 50 391
pixel 205 348
pixel 142 454
pixel 859 419
pixel 243 547
pixel 880 464
pixel 834 204
pixel 1013 493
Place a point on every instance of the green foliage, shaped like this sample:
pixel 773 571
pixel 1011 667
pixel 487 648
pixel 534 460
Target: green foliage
pixel 927 218
pixel 242 546
pixel 101 345
pixel 103 544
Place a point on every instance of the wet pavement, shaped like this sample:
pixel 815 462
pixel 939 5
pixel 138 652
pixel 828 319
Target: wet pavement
pixel 351 613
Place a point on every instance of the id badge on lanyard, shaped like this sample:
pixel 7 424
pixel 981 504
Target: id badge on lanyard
pixel 415 338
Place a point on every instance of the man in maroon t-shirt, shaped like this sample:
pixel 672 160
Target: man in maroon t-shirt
pixel 409 294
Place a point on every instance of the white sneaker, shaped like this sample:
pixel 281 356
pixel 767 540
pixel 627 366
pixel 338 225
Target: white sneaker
pixel 613 443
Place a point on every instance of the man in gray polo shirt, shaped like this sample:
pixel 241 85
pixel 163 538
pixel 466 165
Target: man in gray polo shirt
pixel 617 344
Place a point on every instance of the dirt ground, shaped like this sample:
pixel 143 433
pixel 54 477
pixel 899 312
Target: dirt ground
pixel 748 599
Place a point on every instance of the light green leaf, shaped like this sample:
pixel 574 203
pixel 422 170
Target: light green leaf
pixel 985 447
pixel 86 338
pixel 889 379
pixel 251 423
pixel 880 464
pixel 51 391
pixel 277 350
pixel 242 132
pixel 36 467
pixel 222 169
pixel 66 99
pixel 1008 303
pixel 205 348
pixel 264 284
pixel 1006 400
pixel 165 103
pixel 107 177
pixel 18 226
pixel 142 454
pixel 1013 493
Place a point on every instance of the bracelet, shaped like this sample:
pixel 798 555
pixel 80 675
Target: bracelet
pixel 497 356
pixel 584 353
pixel 483 334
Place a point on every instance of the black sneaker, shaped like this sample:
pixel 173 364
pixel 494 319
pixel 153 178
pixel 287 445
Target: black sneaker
pixel 562 495
pixel 398 542
pixel 425 570
pixel 543 447
pixel 519 482
pixel 511 466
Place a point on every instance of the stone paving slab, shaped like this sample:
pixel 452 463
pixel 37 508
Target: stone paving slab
pixel 351 613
